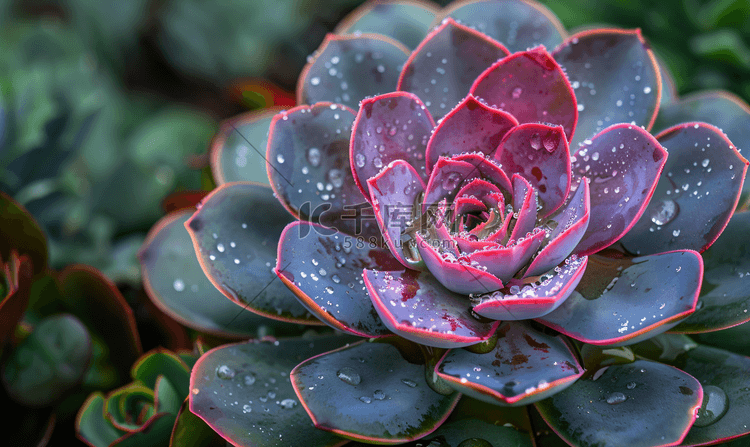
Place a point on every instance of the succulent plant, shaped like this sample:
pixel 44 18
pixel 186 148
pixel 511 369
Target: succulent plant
pixel 497 222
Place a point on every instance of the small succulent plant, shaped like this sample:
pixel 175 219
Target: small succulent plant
pixel 499 224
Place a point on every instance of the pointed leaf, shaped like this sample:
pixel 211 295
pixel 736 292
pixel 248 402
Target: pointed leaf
pixel 469 127
pixel 697 193
pixel 456 275
pixel 390 127
pixel 615 77
pixel 415 306
pixel 384 400
pixel 407 21
pixel 161 362
pixel 532 87
pixel 238 149
pixel 393 195
pixel 91 426
pixel 570 224
pixel 726 397
pixel 525 366
pixel 236 247
pixel 347 69
pixel 175 282
pixel 449 175
pixel 623 164
pixel 324 270
pixel 540 154
pixel 525 301
pixel 167 398
pixel 621 301
pixel 443 67
pixel 308 156
pixel 264 415
pixel 518 24
pixel 723 109
pixel 633 415
pixel 725 293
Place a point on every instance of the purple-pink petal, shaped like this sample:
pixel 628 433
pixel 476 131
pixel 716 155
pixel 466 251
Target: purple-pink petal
pixel 533 300
pixel 485 191
pixel 532 87
pixel 470 127
pixel 623 163
pixel 450 174
pixel 389 127
pixel 540 154
pixel 456 275
pixel 346 69
pixel 524 205
pixel 415 306
pixel 442 68
pixel 393 193
pixel 505 262
pixel 570 225
pixel 697 193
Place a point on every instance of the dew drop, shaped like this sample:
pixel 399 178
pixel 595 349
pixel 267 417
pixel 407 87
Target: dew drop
pixel 664 212
pixel 336 177
pixel 246 408
pixel 280 159
pixel 348 375
pixel 616 398
pixel 315 81
pixel 536 141
pixel 378 395
pixel 178 285
pixel 288 404
pixel 451 181
pixel 714 406
pixel 224 372
pixel 517 92
pixel 631 385
pixel 365 399
pixel 249 379
pixel 360 160
pixel 313 156
pixel 409 383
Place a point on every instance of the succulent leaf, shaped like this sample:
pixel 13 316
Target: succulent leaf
pixel 238 148
pixel 238 372
pixel 413 305
pixel 615 77
pixel 383 399
pixel 175 282
pixel 724 413
pixel 623 164
pixel 628 400
pixel 308 166
pixel 697 193
pixel 533 300
pixel 622 301
pixel 236 247
pixel 360 66
pixel 540 154
pixel 20 232
pixel 393 195
pixel 724 300
pixel 470 127
pixel 443 67
pixel 407 21
pixel 532 87
pixel 525 366
pixel 15 286
pixel 722 109
pixel 518 24
pixel 324 270
pixel 390 127
pixel 570 224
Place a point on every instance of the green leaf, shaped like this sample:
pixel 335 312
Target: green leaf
pixel 91 424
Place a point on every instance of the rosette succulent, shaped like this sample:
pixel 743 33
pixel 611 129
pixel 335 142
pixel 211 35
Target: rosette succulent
pixel 478 194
